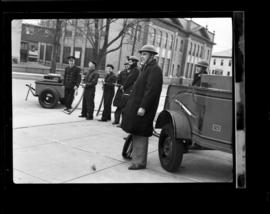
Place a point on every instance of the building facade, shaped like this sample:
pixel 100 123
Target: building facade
pixel 221 63
pixel 180 43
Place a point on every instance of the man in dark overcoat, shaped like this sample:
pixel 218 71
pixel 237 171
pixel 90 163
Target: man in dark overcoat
pixel 90 81
pixel 140 110
pixel 72 79
pixel 108 92
pixel 125 80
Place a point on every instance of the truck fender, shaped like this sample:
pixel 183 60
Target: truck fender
pixel 179 120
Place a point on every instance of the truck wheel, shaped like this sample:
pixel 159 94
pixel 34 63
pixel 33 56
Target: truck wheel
pixel 48 98
pixel 170 150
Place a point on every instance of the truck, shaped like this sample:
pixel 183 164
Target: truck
pixel 199 115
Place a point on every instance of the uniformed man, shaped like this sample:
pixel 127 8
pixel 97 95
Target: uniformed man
pixel 201 68
pixel 125 80
pixel 72 79
pixel 89 85
pixel 108 92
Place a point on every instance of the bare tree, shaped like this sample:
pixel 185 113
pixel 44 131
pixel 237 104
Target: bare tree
pixel 97 34
pixel 56 44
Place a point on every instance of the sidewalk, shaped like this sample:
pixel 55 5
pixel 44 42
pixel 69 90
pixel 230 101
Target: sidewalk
pixel 50 146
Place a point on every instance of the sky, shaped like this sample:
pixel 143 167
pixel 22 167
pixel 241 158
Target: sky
pixel 221 26
pixel 223 31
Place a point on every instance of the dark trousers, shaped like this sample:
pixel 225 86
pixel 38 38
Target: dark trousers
pixel 69 97
pixel 108 97
pixel 83 113
pixel 117 114
pixel 89 96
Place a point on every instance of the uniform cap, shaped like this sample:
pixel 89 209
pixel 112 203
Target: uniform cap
pixel 71 57
pixel 133 58
pixel 202 63
pixel 110 65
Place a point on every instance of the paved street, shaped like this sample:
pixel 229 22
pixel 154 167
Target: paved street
pixel 50 146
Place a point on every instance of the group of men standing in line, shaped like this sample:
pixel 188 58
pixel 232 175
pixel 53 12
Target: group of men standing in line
pixel 136 99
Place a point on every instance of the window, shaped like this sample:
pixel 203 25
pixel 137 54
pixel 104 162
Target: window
pixel 208 54
pixel 178 71
pixel 173 70
pixel 193 54
pixel 24 45
pixel 166 41
pixel 213 71
pixel 48 54
pixel 230 63
pixel 181 46
pixel 167 67
pixel 190 48
pixel 198 50
pixel 153 37
pixel 162 63
pixel 139 32
pixel 29 30
pixel 171 45
pixel 160 39
pixel 41 52
pixel 176 44
pixel 187 69
pixel 202 50
pixel 66 53
pixel 228 73
pixel 214 62
pixel 221 62
pixel 68 33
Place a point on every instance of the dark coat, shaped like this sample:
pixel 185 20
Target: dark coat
pixel 145 93
pixel 197 78
pixel 91 79
pixel 126 79
pixel 72 77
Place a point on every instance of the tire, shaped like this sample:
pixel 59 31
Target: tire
pixel 170 150
pixel 48 98
pixel 127 148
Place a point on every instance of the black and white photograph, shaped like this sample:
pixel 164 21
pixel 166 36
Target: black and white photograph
pixel 128 100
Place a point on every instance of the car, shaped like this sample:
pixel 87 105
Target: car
pixel 195 115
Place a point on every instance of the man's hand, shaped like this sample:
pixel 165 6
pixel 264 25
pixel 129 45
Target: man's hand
pixel 141 112
pixel 75 87
pixel 83 85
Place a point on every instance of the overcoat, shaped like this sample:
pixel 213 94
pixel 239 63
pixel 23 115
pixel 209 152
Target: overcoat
pixel 145 94
pixel 126 79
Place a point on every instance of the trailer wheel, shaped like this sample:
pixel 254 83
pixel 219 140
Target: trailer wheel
pixel 48 98
pixel 170 150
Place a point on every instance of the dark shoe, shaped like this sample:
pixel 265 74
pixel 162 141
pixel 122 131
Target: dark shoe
pixel 114 123
pixel 136 167
pixel 118 126
pixel 102 120
pixel 89 118
pixel 81 115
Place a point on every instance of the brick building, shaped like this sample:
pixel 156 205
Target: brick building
pixel 180 42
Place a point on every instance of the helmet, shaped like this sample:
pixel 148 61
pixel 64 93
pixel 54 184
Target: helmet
pixel 134 58
pixel 202 64
pixel 148 48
